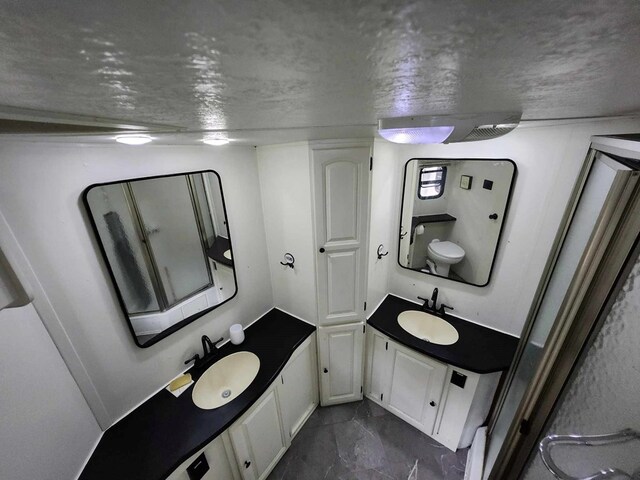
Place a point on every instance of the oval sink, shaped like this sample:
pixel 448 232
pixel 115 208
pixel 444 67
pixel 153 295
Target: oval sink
pixel 225 380
pixel 227 254
pixel 428 327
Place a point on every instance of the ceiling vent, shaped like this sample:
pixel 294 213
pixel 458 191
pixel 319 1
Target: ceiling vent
pixel 447 128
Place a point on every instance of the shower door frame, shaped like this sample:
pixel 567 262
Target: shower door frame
pixel 601 273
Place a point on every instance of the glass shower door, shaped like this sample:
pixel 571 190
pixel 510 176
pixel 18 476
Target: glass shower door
pixel 173 235
pixel 592 201
pixel 602 399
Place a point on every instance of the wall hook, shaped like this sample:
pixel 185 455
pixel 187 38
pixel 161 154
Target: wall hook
pixel 288 260
pixel 379 252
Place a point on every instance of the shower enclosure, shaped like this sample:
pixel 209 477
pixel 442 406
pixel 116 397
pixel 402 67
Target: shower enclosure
pixel 592 256
pixel 158 232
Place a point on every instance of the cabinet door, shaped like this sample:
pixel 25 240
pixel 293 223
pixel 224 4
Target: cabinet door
pixel 416 388
pixel 298 388
pixel 378 366
pixel 341 363
pixel 341 184
pixel 258 439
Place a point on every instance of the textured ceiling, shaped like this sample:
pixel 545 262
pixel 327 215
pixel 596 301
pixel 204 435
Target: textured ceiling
pixel 209 65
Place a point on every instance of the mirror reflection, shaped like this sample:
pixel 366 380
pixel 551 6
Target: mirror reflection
pixel 166 243
pixel 452 215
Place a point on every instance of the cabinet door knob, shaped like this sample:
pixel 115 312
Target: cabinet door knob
pixel 493 216
pixel 247 464
pixel 432 403
pixel 325 370
pixel 322 250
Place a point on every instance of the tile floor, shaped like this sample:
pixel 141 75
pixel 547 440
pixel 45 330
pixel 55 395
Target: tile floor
pixel 363 441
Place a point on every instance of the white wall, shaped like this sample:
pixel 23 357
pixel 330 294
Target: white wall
pixel 474 231
pixel 548 160
pixel 383 216
pixel 40 189
pixel 286 204
pixel 46 428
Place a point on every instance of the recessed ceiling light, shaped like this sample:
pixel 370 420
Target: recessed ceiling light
pixel 133 139
pixel 215 141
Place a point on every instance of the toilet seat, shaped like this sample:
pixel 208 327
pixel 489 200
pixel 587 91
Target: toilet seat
pixel 446 250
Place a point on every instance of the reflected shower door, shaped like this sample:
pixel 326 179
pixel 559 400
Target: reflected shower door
pixel 123 248
pixel 171 227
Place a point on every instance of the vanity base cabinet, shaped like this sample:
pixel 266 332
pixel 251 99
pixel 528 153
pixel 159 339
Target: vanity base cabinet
pixel 219 456
pixel 254 444
pixel 258 438
pixel 298 388
pixel 378 372
pixel 415 387
pixel 404 382
pixel 341 351
pixel 464 409
pixel 445 402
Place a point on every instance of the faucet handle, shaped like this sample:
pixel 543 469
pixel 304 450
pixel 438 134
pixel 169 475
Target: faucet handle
pixel 215 344
pixel 195 359
pixel 426 302
pixel 442 308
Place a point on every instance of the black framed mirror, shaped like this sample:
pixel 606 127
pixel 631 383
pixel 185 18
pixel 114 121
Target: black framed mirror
pixel 452 215
pixel 167 246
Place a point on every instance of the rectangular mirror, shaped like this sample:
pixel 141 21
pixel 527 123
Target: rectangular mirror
pixel 167 247
pixel 452 215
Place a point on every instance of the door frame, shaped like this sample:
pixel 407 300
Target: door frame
pixel 603 269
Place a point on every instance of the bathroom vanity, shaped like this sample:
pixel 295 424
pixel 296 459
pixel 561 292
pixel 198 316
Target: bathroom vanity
pixel 166 435
pixel 445 391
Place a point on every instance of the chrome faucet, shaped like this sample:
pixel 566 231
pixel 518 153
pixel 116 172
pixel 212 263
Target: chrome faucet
pixel 209 351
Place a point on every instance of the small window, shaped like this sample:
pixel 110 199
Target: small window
pixel 431 184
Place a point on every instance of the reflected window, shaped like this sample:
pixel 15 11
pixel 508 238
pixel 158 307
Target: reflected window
pixel 431 184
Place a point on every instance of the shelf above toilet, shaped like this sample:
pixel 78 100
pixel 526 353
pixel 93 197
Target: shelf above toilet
pixel 439 217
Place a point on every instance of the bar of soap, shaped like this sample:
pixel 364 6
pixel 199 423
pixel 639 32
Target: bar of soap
pixel 180 382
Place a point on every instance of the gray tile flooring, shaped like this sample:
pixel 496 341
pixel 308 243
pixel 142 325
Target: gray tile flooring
pixel 361 440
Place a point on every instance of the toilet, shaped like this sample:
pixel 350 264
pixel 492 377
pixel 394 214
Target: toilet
pixel 444 254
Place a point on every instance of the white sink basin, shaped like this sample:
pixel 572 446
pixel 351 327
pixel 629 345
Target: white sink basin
pixel 428 327
pixel 225 380
pixel 227 254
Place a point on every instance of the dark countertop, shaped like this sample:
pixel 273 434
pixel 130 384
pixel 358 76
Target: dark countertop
pixel 479 349
pixel 217 249
pixel 164 431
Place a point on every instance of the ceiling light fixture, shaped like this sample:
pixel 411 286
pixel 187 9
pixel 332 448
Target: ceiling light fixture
pixel 417 134
pixel 133 139
pixel 447 128
pixel 215 141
